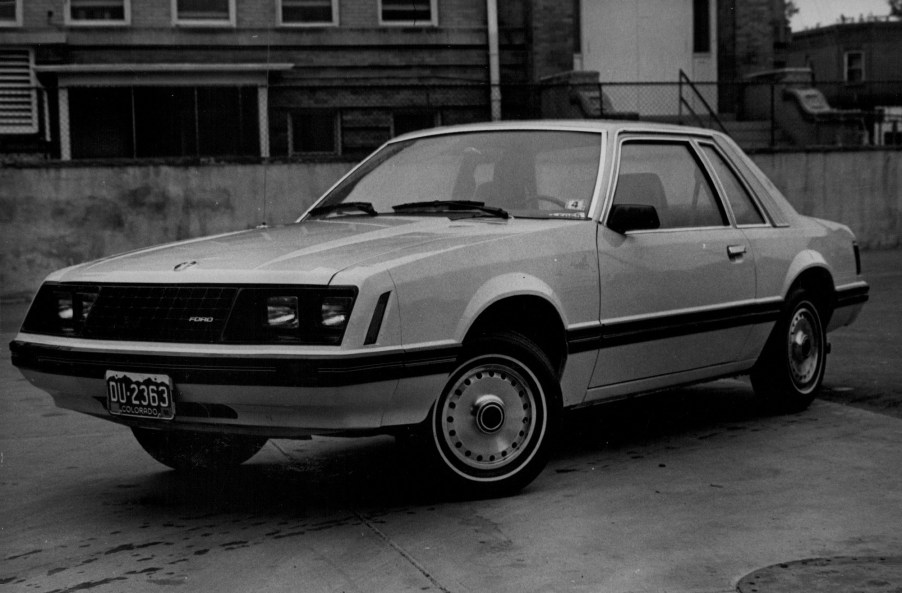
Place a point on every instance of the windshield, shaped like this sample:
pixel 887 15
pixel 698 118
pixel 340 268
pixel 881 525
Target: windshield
pixel 531 174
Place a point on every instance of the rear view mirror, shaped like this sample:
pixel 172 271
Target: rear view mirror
pixel 633 217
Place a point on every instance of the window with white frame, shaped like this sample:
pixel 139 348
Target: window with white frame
pixel 10 13
pixel 854 66
pixel 408 12
pixel 203 12
pixel 98 12
pixel 307 13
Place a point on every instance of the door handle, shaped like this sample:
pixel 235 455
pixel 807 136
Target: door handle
pixel 736 251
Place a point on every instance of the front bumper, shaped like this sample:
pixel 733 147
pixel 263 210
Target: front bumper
pixel 240 391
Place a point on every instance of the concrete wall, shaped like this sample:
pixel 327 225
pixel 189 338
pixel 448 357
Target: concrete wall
pixel 55 216
pixel 58 216
pixel 862 189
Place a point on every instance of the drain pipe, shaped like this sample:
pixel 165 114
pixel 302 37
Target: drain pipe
pixel 491 7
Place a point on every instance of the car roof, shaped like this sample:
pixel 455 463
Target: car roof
pixel 584 125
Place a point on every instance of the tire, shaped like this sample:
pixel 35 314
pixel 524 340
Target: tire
pixel 497 416
pixel 790 370
pixel 193 451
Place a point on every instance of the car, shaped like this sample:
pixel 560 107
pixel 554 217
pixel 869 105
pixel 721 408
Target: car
pixel 462 285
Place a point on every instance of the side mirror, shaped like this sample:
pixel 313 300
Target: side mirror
pixel 633 217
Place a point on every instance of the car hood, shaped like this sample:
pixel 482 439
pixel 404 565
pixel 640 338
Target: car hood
pixel 309 252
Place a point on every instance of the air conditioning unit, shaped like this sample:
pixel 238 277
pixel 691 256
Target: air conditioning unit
pixel 888 126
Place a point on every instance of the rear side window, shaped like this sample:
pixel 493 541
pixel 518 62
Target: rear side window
pixel 741 202
pixel 668 177
pixel 771 199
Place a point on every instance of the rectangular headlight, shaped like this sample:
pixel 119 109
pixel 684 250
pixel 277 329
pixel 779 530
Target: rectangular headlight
pixel 84 302
pixel 282 312
pixel 60 309
pixel 290 315
pixel 65 306
pixel 335 312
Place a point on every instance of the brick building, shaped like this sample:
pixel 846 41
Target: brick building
pixel 172 78
pixel 85 79
pixel 753 36
pixel 865 57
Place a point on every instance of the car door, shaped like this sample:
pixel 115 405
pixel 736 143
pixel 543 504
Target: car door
pixel 673 299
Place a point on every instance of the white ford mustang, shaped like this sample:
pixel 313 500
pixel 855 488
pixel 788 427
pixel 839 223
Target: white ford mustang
pixel 465 283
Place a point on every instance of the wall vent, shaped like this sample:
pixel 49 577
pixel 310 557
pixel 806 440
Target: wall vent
pixel 18 92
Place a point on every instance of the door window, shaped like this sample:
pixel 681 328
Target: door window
pixel 668 177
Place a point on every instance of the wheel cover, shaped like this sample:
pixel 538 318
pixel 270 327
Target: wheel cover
pixel 805 344
pixel 490 419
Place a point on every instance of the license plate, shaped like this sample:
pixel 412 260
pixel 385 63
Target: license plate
pixel 139 395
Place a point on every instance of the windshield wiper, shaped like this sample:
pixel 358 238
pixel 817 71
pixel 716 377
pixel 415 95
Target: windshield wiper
pixel 453 205
pixel 365 207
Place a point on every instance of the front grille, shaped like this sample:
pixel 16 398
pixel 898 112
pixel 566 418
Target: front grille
pixel 160 313
pixel 186 313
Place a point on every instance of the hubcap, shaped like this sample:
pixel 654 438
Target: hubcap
pixel 488 417
pixel 489 413
pixel 804 348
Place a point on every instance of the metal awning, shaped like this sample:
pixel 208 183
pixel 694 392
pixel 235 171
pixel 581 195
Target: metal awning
pixel 161 74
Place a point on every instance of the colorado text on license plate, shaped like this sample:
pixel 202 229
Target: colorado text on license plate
pixel 140 395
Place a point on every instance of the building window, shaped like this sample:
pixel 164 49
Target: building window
pixel 154 122
pixel 854 66
pixel 204 12
pixel 302 13
pixel 411 121
pixel 407 12
pixel 313 132
pixel 10 13
pixel 701 26
pixel 98 12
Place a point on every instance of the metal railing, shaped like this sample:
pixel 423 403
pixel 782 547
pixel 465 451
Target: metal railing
pixel 694 97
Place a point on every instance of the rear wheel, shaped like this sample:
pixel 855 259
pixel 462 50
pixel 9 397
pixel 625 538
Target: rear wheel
pixel 186 451
pixel 493 423
pixel 790 371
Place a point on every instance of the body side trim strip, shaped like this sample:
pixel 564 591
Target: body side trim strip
pixel 643 329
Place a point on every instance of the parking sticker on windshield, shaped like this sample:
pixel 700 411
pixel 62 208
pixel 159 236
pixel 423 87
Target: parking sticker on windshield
pixel 576 205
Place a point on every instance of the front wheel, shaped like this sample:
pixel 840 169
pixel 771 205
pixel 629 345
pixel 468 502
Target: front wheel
pixel 186 451
pixel 790 371
pixel 493 423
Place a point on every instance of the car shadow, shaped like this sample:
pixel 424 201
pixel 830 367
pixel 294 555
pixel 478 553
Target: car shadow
pixel 379 473
pixel 645 420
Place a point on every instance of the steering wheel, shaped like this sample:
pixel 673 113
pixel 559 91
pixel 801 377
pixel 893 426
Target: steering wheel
pixel 557 202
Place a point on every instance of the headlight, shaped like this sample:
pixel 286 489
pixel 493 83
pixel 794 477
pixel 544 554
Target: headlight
pixel 282 312
pixel 61 310
pixel 291 314
pixel 336 311
pixel 65 307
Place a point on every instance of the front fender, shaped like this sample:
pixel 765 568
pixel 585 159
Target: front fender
pixel 501 287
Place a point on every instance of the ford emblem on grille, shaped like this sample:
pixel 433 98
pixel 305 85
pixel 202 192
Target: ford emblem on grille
pixel 200 319
pixel 184 265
